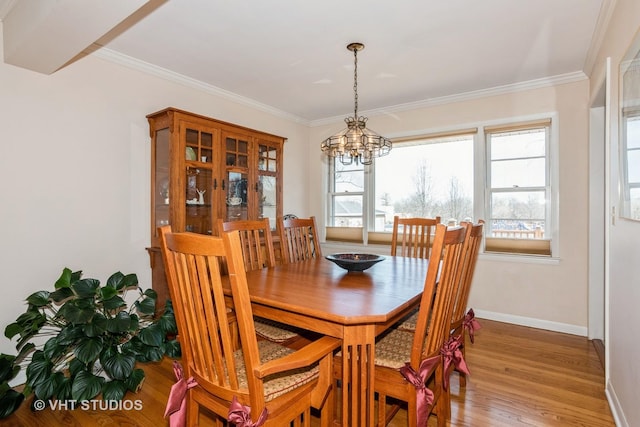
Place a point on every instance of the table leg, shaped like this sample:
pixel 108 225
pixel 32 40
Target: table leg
pixel 358 351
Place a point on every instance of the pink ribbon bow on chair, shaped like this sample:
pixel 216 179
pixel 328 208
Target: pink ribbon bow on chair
pixel 240 415
pixel 470 323
pixel 424 394
pixel 176 404
pixel 452 357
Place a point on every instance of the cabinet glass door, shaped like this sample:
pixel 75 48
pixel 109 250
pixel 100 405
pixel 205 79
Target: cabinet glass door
pixel 199 179
pixel 267 182
pixel 236 181
pixel 237 192
pixel 160 196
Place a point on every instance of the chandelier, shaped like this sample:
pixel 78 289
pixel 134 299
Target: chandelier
pixel 356 143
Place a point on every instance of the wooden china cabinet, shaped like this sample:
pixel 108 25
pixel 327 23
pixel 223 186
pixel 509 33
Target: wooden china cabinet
pixel 203 169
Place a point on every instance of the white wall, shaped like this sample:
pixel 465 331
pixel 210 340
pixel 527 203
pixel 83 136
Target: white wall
pixel 74 171
pixel 550 295
pixel 623 329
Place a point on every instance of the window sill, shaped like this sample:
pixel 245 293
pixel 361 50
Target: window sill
pixel 521 258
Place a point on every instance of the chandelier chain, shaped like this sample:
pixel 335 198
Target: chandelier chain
pixel 355 83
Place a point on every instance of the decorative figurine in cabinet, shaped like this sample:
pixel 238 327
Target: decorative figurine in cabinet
pixel 203 169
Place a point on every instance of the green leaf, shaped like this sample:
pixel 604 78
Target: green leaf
pixel 119 281
pixel 10 402
pixel 39 299
pixel 86 288
pixel 146 305
pixel 107 292
pixel 86 386
pixel 52 349
pixel 28 348
pixel 120 323
pixel 168 323
pixel 130 280
pixel 88 350
pixel 114 390
pixel 118 365
pixel 46 389
pixel 65 279
pixel 135 380
pixel 151 293
pixel 61 294
pixel 12 330
pixel 113 303
pixel 77 311
pixel 152 335
pixel 97 326
pixel 115 280
pixel 7 368
pixel 76 366
pixel 39 369
pixel 151 354
pixel 63 392
pixel 69 335
pixel 172 349
pixel 135 323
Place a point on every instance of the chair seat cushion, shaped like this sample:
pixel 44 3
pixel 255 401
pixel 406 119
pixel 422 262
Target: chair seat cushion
pixel 409 323
pixel 277 384
pixel 394 349
pixel 273 331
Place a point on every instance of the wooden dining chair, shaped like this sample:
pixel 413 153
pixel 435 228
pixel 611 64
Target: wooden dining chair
pixel 261 379
pixel 258 252
pixel 412 237
pixel 409 363
pixel 256 241
pixel 299 239
pixel 461 320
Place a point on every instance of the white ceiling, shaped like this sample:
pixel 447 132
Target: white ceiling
pixel 291 55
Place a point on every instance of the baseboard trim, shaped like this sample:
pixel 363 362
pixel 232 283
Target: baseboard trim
pixel 532 322
pixel 614 405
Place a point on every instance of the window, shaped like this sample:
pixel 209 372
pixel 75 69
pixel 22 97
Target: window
pixel 425 178
pixel 422 176
pixel 433 175
pixel 631 160
pixel 518 190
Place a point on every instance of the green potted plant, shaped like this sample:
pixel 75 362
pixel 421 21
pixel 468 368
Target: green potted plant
pixel 83 340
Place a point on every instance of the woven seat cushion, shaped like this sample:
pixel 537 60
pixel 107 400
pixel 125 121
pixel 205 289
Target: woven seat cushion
pixel 277 384
pixel 273 331
pixel 409 323
pixel 394 349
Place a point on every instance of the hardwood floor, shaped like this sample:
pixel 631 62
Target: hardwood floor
pixel 519 377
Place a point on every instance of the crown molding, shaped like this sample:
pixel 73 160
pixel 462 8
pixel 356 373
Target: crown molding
pixel 145 67
pixel 466 96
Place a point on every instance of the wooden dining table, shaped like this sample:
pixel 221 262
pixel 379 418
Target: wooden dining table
pixel 356 307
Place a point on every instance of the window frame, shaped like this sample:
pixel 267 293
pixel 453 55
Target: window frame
pixel 481 188
pixel 520 246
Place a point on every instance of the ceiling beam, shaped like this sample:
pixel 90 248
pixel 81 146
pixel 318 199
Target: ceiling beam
pixel 44 36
